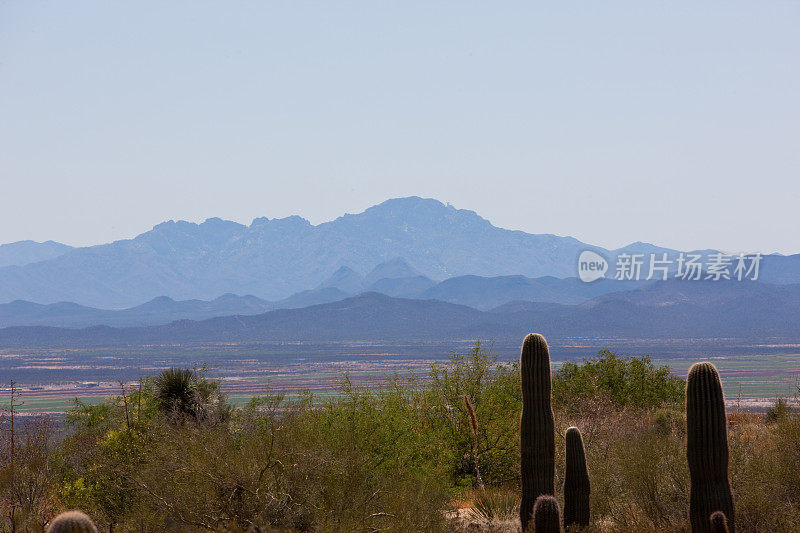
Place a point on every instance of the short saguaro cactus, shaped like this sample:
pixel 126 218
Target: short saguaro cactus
pixel 72 522
pixel 719 522
pixel 546 515
pixel 576 482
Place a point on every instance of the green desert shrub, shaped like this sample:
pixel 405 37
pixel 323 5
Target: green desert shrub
pixel 494 392
pixel 625 381
pixel 780 410
pixel 349 463
pixel 639 475
pixel 28 472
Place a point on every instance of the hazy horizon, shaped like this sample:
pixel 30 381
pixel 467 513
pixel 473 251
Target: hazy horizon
pixel 250 222
pixel 675 125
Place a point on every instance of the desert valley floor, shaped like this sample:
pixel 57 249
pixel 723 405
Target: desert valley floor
pixel 49 379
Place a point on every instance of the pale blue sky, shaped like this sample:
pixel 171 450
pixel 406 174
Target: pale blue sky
pixel 671 122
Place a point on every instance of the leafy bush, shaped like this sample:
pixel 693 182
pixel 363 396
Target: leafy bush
pixel 626 381
pixel 779 411
pixel 28 473
pixel 352 462
pixel 493 391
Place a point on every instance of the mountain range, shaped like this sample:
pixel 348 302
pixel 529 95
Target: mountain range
pixel 663 310
pixel 273 259
pixel 393 278
pixel 21 253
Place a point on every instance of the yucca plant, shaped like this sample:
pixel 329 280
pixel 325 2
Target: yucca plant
pixel 494 504
pixel 176 391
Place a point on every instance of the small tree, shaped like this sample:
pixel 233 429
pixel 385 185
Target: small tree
pixel 626 381
pixel 492 390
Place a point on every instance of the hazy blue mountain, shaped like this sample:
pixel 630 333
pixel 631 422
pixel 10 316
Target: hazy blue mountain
pixel 164 309
pixel 411 287
pixel 311 297
pixel 734 313
pixel 475 291
pixel 397 278
pixel 522 306
pixel 367 316
pixel 273 259
pixel 64 314
pixel 487 293
pixel 346 280
pixel 24 252
pixel 393 277
pixel 780 269
pixel 710 295
pixel 161 310
pixel 396 268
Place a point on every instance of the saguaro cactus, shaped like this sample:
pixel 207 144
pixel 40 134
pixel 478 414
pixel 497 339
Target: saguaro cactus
pixel 707 448
pixel 72 522
pixel 546 515
pixel 537 430
pixel 719 523
pixel 576 482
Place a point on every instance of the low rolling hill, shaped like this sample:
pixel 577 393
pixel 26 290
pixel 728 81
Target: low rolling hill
pixel 736 311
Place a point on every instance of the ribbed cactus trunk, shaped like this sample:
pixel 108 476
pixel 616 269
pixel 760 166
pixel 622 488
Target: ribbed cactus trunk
pixel 537 429
pixel 576 482
pixel 707 448
pixel 546 515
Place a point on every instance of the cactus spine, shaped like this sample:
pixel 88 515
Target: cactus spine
pixel 72 522
pixel 707 448
pixel 719 523
pixel 537 429
pixel 576 482
pixel 546 515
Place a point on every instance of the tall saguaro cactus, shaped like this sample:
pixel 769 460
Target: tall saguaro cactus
pixel 537 429
pixel 707 448
pixel 576 482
